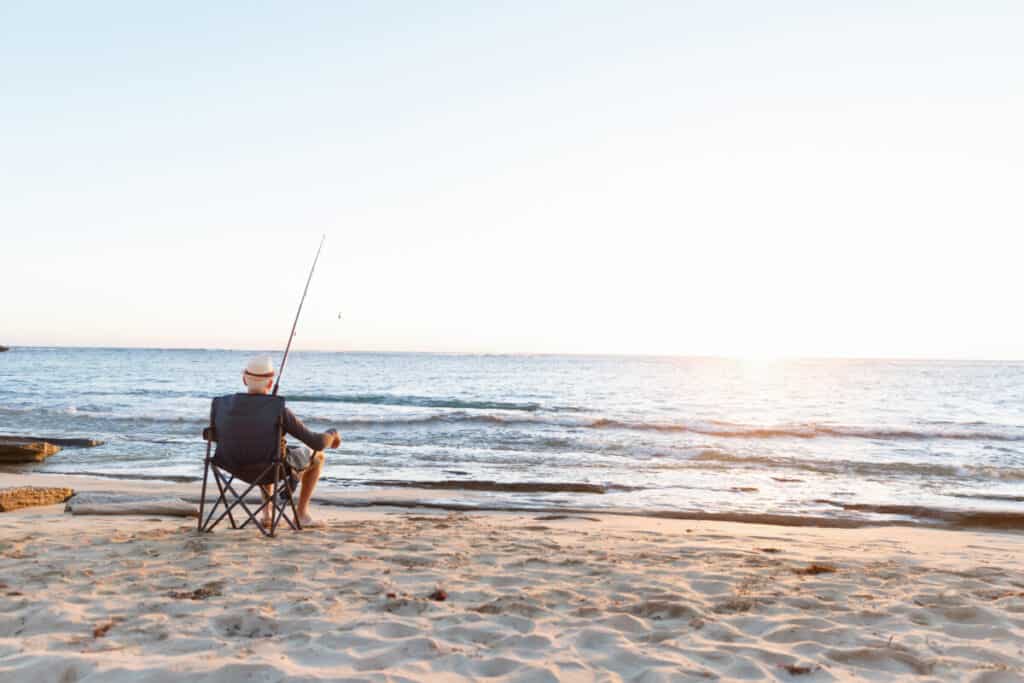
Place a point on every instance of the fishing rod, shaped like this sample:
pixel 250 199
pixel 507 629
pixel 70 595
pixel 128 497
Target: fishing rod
pixel 291 336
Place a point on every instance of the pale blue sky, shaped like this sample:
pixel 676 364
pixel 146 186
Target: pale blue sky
pixel 751 178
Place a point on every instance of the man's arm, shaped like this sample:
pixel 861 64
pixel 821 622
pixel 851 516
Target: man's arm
pixel 315 440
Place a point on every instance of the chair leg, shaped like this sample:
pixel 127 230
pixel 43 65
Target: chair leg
pixel 227 507
pixel 202 496
pixel 249 513
pixel 255 513
pixel 222 485
pixel 278 507
pixel 209 523
pixel 240 501
pixel 281 504
pixel 275 513
pixel 206 526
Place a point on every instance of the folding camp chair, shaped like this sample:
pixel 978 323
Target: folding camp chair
pixel 249 432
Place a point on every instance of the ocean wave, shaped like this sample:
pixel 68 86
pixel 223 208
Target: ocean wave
pixel 457 417
pixel 529 414
pixel 717 429
pixel 73 414
pixel 958 518
pixel 811 431
pixel 377 399
pixel 423 402
pixel 724 430
pixel 490 486
pixel 712 459
pixel 1002 498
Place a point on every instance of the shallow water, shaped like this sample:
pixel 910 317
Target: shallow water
pixel 816 438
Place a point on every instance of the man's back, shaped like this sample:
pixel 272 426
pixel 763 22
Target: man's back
pixel 248 430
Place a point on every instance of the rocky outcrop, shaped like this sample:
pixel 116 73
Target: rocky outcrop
pixel 31 496
pixel 26 449
pixel 56 441
pixel 19 450
pixel 4 348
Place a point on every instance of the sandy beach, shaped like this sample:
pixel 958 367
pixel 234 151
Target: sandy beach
pixel 526 597
pixel 604 342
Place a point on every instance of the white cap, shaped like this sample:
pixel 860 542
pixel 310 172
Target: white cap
pixel 260 367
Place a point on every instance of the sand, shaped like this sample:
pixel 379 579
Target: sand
pixel 527 597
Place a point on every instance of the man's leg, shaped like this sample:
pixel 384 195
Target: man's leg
pixel 266 490
pixel 309 478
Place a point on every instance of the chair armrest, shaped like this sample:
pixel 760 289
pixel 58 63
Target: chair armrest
pixel 209 433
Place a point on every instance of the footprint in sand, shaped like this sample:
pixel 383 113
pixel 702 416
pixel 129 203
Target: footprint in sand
pixel 419 648
pixel 406 607
pixel 884 660
pixel 247 624
pixel 395 629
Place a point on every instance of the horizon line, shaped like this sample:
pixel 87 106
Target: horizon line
pixel 698 356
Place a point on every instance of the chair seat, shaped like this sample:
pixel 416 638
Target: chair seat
pixel 258 475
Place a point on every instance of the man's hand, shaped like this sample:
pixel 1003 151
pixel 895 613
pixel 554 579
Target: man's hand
pixel 335 438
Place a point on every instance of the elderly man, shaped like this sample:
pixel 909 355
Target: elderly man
pixel 307 460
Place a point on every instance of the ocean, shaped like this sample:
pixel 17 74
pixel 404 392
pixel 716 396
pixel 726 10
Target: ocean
pixel 863 440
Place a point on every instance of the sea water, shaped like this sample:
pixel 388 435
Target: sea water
pixel 879 440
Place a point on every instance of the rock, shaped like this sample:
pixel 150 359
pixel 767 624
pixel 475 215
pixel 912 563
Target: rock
pixel 30 496
pixel 24 450
pixel 106 498
pixel 56 441
pixel 100 503
pixel 4 348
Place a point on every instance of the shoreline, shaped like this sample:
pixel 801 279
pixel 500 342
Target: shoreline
pixel 410 495
pixel 404 594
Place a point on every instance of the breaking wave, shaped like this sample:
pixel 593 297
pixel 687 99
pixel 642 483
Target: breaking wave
pixel 811 431
pixel 965 519
pixel 718 429
pixel 712 459
pixel 425 402
pixel 492 486
pixel 507 414
pixel 73 414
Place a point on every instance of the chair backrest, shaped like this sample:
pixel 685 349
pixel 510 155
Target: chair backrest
pixel 248 432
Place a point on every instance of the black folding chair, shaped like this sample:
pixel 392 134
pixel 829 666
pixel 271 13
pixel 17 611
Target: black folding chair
pixel 249 432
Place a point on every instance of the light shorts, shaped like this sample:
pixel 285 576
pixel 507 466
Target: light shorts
pixel 299 457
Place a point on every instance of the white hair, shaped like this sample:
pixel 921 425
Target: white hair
pixel 255 384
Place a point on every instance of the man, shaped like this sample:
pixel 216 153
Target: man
pixel 308 460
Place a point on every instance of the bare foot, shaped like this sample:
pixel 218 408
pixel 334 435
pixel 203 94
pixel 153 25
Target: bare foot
pixel 308 522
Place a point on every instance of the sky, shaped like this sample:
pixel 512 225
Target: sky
pixel 735 178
